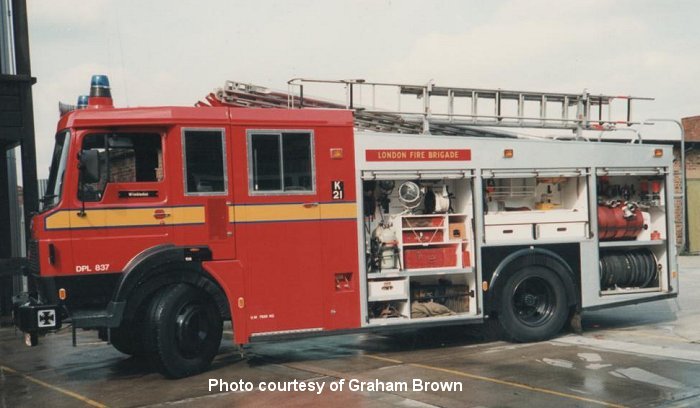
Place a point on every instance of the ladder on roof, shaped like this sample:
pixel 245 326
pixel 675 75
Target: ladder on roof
pixel 439 109
pixel 508 108
pixel 245 95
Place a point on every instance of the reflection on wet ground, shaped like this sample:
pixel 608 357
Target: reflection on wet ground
pixel 636 356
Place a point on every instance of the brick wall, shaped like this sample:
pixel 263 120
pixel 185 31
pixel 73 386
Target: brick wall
pixel 677 189
pixel 692 128
pixel 692 168
pixel 122 166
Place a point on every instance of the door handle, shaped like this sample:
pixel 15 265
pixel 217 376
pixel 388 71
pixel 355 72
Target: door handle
pixel 160 214
pixel 310 205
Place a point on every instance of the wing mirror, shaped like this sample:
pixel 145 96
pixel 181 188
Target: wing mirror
pixel 90 166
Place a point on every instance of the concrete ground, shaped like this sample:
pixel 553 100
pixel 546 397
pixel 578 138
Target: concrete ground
pixel 636 356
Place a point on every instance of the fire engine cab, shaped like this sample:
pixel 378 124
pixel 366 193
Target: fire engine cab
pixel 290 217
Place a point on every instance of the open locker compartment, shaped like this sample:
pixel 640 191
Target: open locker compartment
pixel 631 205
pixel 536 204
pixel 633 269
pixel 442 296
pixel 632 230
pixel 421 297
pixel 417 231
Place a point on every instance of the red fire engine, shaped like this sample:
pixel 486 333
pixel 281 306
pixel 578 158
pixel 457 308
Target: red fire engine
pixel 292 219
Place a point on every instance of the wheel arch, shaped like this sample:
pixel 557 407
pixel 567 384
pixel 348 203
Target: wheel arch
pixel 164 265
pixel 532 256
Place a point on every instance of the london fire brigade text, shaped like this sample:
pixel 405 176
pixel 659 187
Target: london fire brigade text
pixel 417 154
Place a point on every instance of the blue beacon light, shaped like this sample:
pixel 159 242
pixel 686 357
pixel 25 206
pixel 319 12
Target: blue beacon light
pixel 82 102
pixel 99 86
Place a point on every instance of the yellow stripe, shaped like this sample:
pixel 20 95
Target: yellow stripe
pixel 124 217
pixel 338 211
pixel 501 382
pixel 292 212
pixel 281 212
pixel 63 391
pixel 186 215
pixel 138 217
pixel 60 219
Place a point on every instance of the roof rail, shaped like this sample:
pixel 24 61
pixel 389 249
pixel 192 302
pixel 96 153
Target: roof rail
pixel 436 110
pixel 244 95
pixel 508 108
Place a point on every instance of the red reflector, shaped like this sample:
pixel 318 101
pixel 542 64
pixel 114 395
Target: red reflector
pixel 508 153
pixel 658 152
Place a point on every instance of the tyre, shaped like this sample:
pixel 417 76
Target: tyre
pixel 183 328
pixel 128 338
pixel 124 339
pixel 533 305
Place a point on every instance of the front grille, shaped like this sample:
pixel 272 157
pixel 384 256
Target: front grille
pixel 33 256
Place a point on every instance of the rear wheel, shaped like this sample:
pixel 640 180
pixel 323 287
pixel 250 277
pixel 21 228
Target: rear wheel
pixel 533 305
pixel 182 331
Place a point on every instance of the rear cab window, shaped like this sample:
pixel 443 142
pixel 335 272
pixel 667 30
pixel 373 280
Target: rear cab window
pixel 204 159
pixel 281 162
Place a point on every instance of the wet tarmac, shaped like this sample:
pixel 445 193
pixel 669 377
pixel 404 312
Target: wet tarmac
pixel 636 356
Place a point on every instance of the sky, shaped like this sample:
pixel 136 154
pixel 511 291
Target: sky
pixel 174 53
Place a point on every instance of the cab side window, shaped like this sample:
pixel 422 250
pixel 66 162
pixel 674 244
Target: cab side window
pixel 205 163
pixel 280 162
pixel 123 158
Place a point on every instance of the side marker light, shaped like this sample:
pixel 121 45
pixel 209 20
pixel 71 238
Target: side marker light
pixel 336 153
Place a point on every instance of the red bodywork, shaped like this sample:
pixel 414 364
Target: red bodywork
pixel 279 275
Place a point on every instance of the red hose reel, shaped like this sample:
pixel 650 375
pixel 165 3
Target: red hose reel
pixel 619 221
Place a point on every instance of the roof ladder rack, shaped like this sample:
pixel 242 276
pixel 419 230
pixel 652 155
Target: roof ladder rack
pixel 442 110
pixel 508 108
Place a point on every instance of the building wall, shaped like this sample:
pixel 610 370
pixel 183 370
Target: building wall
pixel 692 169
pixel 691 126
pixel 677 189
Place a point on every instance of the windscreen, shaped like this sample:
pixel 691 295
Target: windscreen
pixel 57 171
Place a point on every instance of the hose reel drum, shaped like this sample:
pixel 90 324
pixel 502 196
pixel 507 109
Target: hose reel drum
pixel 630 268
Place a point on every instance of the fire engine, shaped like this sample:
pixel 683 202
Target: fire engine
pixel 293 216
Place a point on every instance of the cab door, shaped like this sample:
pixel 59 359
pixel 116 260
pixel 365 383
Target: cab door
pixel 206 213
pixel 278 224
pixel 126 211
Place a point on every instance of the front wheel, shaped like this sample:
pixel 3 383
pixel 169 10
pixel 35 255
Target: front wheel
pixel 183 331
pixel 126 339
pixel 533 305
